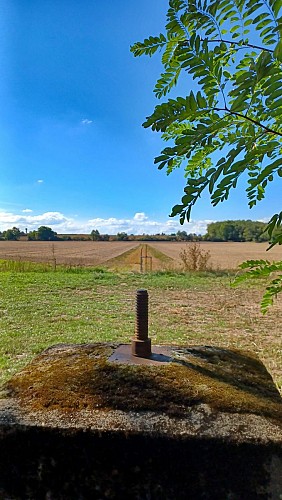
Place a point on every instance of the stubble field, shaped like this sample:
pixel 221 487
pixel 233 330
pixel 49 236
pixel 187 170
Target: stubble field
pixel 88 253
pixel 79 253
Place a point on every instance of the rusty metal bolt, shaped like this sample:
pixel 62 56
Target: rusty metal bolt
pixel 141 344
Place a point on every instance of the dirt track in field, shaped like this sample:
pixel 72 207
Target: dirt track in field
pixel 89 253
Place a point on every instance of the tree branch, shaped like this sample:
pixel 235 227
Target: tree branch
pixel 267 129
pixel 231 42
pixel 249 45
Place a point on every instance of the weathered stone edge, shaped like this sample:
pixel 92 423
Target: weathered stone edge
pixel 201 422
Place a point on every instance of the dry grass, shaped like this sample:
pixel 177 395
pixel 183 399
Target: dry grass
pixel 222 316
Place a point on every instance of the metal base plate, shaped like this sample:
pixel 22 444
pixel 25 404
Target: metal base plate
pixel 122 354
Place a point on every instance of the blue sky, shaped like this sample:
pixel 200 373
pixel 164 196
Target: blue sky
pixel 73 153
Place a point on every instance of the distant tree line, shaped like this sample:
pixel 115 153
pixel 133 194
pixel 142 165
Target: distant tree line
pixel 43 233
pixel 179 236
pixel 229 230
pixel 236 230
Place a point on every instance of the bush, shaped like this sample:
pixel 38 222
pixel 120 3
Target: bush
pixel 195 258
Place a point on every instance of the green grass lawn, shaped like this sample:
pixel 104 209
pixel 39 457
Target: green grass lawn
pixel 40 308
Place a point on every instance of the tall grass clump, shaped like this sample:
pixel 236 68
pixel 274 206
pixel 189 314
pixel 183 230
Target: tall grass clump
pixel 195 258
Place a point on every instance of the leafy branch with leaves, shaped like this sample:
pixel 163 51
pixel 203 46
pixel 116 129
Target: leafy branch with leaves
pixel 231 52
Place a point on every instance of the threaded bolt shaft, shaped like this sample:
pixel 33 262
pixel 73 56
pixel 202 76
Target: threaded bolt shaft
pixel 141 344
pixel 141 325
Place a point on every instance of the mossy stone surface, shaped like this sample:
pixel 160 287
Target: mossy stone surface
pixel 78 382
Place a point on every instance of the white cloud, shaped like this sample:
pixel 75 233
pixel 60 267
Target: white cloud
pixel 85 121
pixel 140 223
pixel 264 219
pixel 54 219
pixel 140 216
pixel 27 210
pixel 40 181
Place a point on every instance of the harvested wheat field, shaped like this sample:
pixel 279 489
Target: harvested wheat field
pixel 223 255
pixel 127 254
pixel 78 253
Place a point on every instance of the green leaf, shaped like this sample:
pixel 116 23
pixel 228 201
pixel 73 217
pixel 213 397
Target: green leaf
pixel 278 51
pixel 201 101
pixel 240 103
pixel 149 46
pixel 276 6
pixel 193 102
pixel 176 210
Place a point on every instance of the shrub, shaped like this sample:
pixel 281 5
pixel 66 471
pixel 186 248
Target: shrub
pixel 195 258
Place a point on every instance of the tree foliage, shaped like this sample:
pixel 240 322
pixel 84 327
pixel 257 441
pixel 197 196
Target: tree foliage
pixel 263 269
pixel 236 230
pixel 122 236
pixel 231 52
pixel 12 234
pixel 43 233
pixel 95 235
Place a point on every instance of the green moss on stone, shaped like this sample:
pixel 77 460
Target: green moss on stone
pixel 69 378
